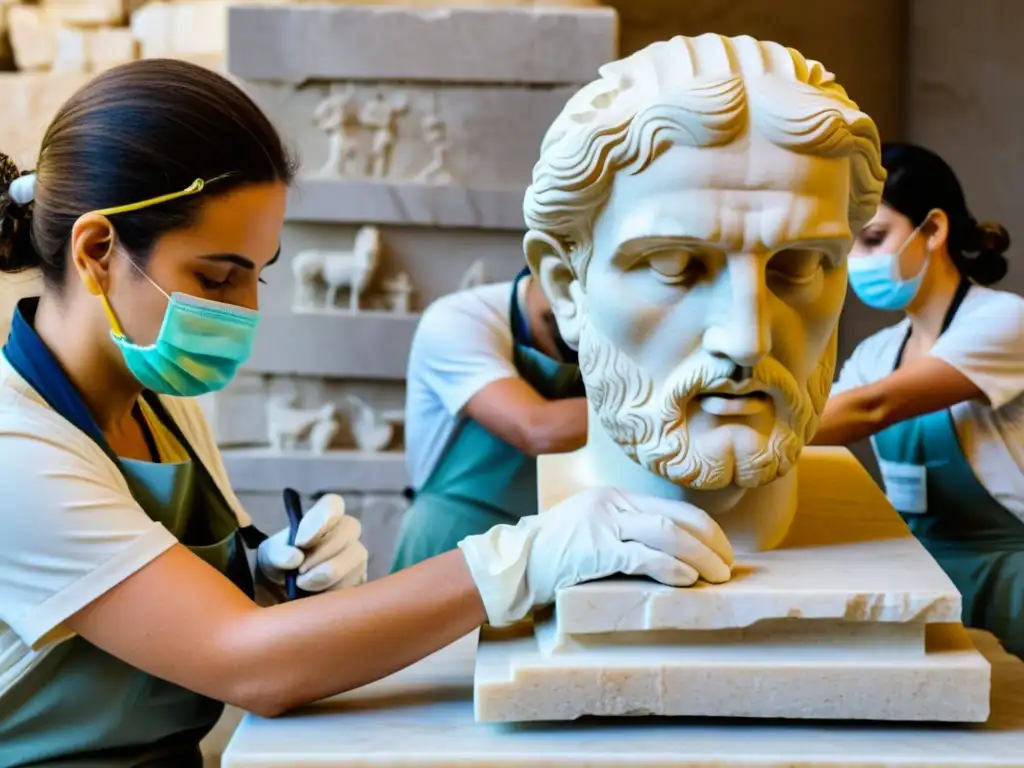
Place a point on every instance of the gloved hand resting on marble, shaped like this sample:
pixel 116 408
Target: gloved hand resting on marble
pixel 327 551
pixel 596 533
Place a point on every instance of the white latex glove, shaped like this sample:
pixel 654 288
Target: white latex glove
pixel 596 533
pixel 327 551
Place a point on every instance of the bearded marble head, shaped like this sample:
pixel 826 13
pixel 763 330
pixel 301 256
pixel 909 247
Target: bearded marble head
pixel 689 220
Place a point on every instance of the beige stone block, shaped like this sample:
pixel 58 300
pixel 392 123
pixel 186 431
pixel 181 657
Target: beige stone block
pixel 30 100
pixel 88 13
pixel 33 32
pixel 71 50
pixel 195 30
pixel 111 46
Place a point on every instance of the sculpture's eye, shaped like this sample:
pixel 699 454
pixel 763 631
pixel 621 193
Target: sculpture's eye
pixel 675 265
pixel 798 267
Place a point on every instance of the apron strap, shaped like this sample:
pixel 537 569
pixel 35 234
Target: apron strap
pixel 947 320
pixel 251 536
pixel 36 364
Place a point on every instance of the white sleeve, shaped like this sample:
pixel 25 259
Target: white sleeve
pixel 69 530
pixel 460 348
pixel 986 344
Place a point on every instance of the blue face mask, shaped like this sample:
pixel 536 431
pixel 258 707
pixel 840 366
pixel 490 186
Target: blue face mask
pixel 877 282
pixel 199 349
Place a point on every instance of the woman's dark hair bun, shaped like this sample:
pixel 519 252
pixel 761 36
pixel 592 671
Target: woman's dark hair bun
pixel 16 251
pixel 984 257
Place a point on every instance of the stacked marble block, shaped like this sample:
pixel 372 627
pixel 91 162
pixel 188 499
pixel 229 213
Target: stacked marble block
pixel 850 618
pixel 416 131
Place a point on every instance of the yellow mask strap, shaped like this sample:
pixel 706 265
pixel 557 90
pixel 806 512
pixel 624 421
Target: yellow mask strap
pixel 194 188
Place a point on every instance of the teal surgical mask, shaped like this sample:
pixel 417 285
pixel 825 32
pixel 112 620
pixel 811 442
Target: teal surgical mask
pixel 877 281
pixel 199 349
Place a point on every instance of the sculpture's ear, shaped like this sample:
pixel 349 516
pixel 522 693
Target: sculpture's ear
pixel 551 265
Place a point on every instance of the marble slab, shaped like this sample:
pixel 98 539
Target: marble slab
pixel 423 716
pixel 468 45
pixel 848 556
pixel 947 680
pixel 802 631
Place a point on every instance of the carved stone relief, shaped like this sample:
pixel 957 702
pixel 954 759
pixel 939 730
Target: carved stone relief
pixel 321 275
pixel 475 276
pixel 361 137
pixel 307 415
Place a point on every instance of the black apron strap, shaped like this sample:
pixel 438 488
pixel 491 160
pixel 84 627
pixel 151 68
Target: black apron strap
pixel 947 320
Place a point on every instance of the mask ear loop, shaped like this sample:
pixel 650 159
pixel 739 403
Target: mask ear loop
pixel 194 188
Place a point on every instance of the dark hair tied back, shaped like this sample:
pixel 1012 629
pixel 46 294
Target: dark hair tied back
pixel 16 251
pixel 132 133
pixel 918 182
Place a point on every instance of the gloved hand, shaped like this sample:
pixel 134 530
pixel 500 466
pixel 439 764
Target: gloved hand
pixel 327 551
pixel 595 533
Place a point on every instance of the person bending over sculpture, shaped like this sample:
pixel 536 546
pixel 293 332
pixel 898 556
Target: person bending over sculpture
pixel 126 601
pixel 941 393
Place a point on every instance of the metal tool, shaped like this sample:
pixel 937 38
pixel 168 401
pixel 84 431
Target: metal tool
pixel 293 508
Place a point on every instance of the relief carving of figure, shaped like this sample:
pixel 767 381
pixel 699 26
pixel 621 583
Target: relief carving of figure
pixel 689 219
pixel 434 135
pixel 381 116
pixel 352 269
pixel 337 116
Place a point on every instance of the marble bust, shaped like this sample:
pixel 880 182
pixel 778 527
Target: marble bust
pixel 689 218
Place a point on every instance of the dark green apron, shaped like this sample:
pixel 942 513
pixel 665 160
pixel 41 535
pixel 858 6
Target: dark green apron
pixel 480 480
pixel 978 542
pixel 81 707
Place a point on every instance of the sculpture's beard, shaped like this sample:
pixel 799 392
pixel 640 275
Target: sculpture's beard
pixel 650 423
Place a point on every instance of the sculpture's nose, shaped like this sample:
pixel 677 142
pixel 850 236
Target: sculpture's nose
pixel 739 328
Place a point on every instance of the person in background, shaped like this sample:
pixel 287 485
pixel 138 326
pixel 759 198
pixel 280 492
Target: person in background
pixel 126 600
pixel 491 385
pixel 941 392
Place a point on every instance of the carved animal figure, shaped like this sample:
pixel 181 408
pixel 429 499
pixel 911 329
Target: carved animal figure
pixel 321 435
pixel 338 269
pixel 370 433
pixel 287 426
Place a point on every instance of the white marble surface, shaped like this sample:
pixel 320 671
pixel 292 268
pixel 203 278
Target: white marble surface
pixel 848 556
pixel 423 716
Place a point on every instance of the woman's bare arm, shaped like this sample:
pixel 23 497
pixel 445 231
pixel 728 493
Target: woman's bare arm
pixel 923 386
pixel 181 620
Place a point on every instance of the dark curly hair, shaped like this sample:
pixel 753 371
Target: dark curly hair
pixel 918 182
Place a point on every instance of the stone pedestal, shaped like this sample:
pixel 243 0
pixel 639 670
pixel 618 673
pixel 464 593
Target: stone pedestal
pixel 849 619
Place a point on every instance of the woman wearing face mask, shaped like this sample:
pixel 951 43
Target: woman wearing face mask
pixel 126 601
pixel 941 393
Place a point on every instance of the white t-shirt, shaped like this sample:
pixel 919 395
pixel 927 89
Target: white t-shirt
pixel 462 343
pixel 69 527
pixel 985 342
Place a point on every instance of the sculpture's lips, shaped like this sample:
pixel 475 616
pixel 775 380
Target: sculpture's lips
pixel 728 398
pixel 734 389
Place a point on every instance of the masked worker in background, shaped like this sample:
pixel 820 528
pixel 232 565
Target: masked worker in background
pixel 491 385
pixel 941 392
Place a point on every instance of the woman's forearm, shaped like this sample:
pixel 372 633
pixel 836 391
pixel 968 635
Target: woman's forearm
pixel 848 418
pixel 322 645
